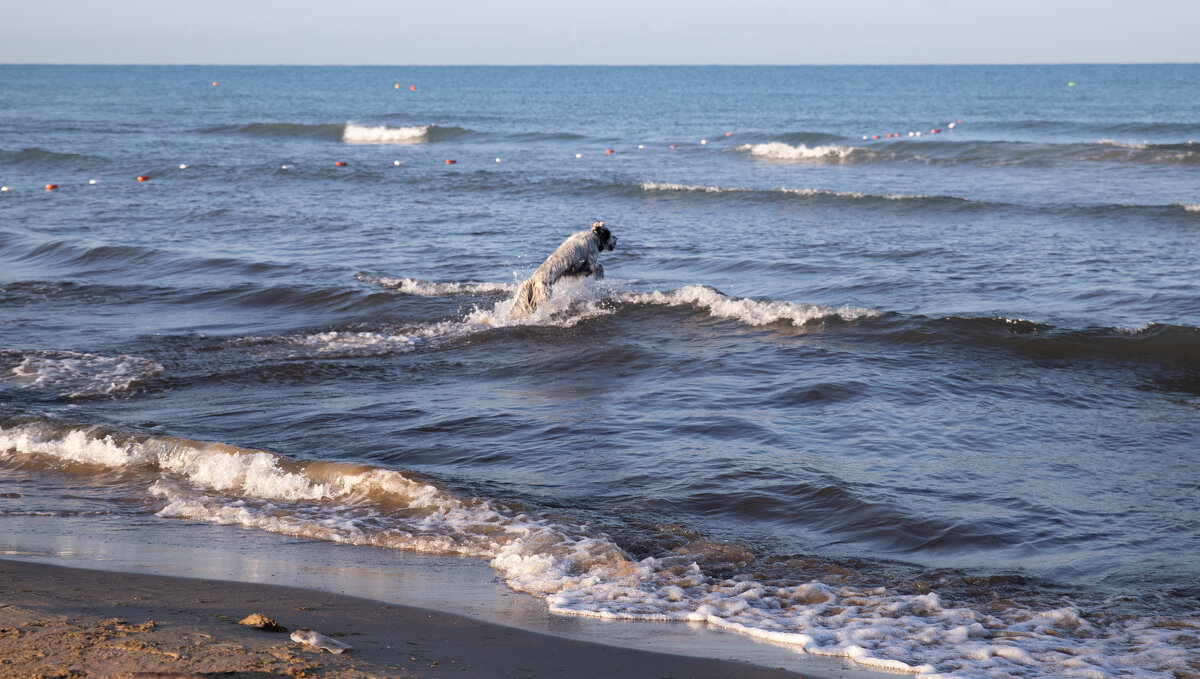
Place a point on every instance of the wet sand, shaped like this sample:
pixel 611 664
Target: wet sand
pixel 66 622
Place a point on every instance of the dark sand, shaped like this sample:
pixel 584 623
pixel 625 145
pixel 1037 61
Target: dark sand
pixel 66 622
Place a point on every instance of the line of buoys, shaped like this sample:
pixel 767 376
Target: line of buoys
pixel 913 133
pixel 342 163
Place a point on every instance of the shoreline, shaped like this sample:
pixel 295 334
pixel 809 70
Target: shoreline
pixel 369 584
pixel 59 621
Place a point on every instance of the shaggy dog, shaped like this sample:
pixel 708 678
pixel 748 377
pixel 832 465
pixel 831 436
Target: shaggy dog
pixel 577 256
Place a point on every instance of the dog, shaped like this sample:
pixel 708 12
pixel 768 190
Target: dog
pixel 576 257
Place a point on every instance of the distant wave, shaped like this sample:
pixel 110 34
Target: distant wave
pixel 348 132
pixel 39 157
pixel 948 150
pixel 651 186
pixel 381 134
pixel 76 375
pixel 828 153
pixel 582 571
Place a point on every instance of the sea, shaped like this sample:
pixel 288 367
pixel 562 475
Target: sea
pixel 896 364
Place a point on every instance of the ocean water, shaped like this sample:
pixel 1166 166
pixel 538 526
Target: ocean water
pixel 928 402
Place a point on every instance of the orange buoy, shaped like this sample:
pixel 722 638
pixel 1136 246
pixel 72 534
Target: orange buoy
pixel 728 134
pixel 960 122
pixel 672 146
pixel 875 137
pixel 51 187
pixel 340 163
pixel 397 85
pixel 143 178
pixel 935 130
pixel 609 152
pixel 413 88
pixel 214 83
pixel 450 162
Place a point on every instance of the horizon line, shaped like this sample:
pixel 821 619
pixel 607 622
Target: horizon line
pixel 665 65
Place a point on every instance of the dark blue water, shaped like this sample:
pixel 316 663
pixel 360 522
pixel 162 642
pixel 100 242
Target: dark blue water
pixel 928 401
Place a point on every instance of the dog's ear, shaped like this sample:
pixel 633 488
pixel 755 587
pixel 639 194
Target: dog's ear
pixel 597 226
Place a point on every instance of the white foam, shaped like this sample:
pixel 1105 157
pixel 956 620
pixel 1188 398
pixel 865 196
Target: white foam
pixel 80 375
pixel 780 151
pixel 673 187
pixel 416 286
pixel 745 310
pixel 356 343
pixel 382 134
pixel 1124 145
pixel 582 572
pixel 1189 207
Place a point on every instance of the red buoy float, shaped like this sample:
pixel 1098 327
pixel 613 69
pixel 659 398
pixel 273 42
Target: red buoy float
pixel 340 163
pixel 450 162
pixel 413 88
pixel 143 178
pixel 672 146
pixel 609 152
pixel 51 187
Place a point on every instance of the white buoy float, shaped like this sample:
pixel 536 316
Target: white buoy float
pixel 182 166
pixel 578 155
pixel 497 160
pixel 395 162
pixel 93 181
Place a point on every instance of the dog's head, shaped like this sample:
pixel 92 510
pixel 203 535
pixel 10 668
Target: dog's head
pixel 604 237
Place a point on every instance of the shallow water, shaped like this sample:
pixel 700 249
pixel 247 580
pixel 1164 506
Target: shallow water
pixel 926 402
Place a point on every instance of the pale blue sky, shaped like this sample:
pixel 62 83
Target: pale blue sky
pixel 609 32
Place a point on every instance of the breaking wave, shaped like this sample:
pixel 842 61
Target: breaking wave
pixel 416 286
pixel 347 132
pixel 579 570
pixel 670 187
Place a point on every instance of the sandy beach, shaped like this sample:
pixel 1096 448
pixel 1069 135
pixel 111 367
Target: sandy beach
pixel 67 622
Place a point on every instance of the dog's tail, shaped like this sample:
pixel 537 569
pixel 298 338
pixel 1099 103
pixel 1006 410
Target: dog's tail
pixel 529 295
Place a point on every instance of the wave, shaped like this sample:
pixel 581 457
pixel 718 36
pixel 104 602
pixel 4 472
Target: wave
pixel 381 134
pixel 346 132
pixel 1154 342
pixel 416 286
pixel 748 311
pixel 670 187
pixel 40 157
pixel 105 258
pixel 76 375
pixel 578 570
pixel 828 153
pixel 932 150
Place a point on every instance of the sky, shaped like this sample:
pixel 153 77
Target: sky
pixel 602 32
